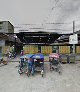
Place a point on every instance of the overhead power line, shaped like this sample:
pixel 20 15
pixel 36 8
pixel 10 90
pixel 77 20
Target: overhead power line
pixel 53 7
pixel 28 24
pixel 58 23
pixel 59 29
pixel 36 28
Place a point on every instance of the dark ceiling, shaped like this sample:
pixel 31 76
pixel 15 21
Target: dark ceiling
pixel 38 37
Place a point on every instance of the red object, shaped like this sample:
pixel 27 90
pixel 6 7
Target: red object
pixel 22 53
pixel 54 55
pixel 26 72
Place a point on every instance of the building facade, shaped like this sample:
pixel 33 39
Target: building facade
pixel 6 27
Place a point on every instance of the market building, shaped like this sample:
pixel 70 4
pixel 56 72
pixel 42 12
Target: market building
pixel 47 43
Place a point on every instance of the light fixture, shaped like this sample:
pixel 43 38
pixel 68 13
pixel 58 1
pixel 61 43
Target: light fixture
pixel 48 40
pixel 15 36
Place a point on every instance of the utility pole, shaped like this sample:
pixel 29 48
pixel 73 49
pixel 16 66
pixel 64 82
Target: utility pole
pixel 73 34
pixel 15 37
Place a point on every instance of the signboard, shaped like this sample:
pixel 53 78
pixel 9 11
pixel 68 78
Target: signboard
pixel 73 39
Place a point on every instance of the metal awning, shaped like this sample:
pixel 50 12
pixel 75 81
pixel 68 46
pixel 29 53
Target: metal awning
pixel 38 37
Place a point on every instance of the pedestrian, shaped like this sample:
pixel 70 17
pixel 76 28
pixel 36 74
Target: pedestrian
pixel 22 53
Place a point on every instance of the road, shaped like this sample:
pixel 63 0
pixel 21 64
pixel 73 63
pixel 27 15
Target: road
pixel 68 81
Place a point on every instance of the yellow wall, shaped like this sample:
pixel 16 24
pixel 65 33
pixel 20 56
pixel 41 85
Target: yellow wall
pixel 30 49
pixel 34 49
pixel 64 49
pixel 77 49
pixel 46 49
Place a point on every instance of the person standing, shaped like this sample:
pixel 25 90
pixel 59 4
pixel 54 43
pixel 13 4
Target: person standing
pixel 22 53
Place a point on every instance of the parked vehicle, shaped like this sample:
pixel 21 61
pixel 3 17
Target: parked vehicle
pixel 54 62
pixel 11 55
pixel 23 64
pixel 38 63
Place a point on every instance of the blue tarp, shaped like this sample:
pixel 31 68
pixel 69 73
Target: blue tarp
pixel 34 56
pixel 27 56
pixel 38 56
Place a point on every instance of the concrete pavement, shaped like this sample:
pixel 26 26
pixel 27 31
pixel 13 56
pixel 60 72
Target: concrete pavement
pixel 11 81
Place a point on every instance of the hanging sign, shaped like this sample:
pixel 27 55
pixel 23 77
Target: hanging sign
pixel 73 39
